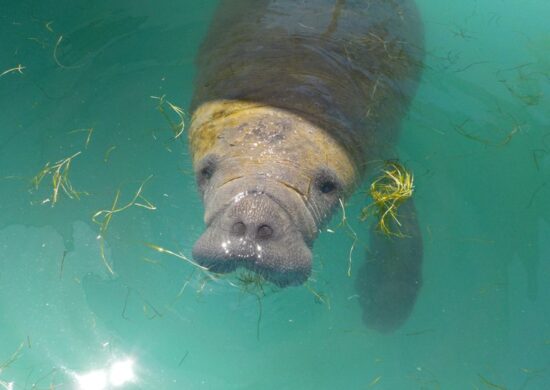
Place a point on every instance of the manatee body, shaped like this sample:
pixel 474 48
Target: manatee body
pixel 295 101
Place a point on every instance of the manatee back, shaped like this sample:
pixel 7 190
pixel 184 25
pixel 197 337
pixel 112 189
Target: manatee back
pixel 349 66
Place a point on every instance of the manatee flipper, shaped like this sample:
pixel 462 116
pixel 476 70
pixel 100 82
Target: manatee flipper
pixel 389 280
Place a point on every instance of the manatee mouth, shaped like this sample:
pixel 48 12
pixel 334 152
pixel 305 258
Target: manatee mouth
pixel 257 232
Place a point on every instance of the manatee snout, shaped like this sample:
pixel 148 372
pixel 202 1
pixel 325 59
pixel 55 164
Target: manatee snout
pixel 257 231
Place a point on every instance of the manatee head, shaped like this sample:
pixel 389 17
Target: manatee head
pixel 269 181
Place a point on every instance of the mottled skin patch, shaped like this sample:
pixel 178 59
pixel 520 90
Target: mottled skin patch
pixel 246 131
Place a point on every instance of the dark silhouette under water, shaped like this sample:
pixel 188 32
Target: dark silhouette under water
pixel 295 103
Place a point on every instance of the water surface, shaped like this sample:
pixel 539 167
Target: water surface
pixel 477 138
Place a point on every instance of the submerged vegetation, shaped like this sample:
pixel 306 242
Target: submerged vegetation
pixel 179 255
pixel 108 152
pixel 493 136
pixel 177 127
pixel 388 192
pixel 489 384
pixel 88 132
pixel 55 56
pixel 320 297
pixel 59 173
pixel 253 283
pixel 103 217
pixel 353 235
pixel 14 356
pixel 19 68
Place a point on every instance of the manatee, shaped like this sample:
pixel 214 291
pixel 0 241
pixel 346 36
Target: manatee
pixel 295 102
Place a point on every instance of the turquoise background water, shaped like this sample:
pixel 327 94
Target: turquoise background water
pixel 477 138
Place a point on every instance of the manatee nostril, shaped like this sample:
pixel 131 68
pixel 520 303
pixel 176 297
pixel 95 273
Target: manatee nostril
pixel 264 231
pixel 238 229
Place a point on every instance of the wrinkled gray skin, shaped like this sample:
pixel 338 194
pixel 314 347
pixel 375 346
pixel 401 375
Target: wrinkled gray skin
pixel 346 68
pixel 256 223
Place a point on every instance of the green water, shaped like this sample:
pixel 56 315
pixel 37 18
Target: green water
pixel 477 138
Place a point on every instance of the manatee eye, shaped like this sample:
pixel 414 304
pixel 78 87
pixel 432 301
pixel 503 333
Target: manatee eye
pixel 327 186
pixel 326 182
pixel 206 170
